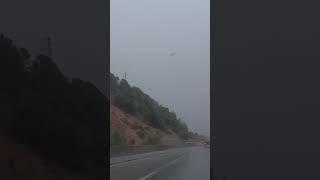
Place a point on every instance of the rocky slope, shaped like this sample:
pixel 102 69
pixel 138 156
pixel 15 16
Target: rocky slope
pixel 126 129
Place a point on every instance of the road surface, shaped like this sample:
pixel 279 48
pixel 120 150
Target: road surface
pixel 181 164
pixel 194 165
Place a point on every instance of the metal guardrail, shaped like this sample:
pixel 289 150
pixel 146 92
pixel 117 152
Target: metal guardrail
pixel 116 151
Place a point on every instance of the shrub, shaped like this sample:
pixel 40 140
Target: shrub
pixel 117 139
pixel 141 134
pixel 132 142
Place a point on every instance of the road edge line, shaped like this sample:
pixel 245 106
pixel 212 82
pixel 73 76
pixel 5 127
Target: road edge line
pixel 158 169
pixel 125 161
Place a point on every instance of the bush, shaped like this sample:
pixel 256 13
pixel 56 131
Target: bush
pixel 141 134
pixel 132 142
pixel 152 141
pixel 127 122
pixel 117 139
pixel 135 126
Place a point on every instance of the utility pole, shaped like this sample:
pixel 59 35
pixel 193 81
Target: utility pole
pixel 49 47
pixel 125 76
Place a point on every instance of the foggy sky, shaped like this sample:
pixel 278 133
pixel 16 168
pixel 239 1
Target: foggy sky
pixel 144 33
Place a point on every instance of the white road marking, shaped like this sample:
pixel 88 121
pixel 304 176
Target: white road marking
pixel 128 163
pixel 157 170
pixel 140 158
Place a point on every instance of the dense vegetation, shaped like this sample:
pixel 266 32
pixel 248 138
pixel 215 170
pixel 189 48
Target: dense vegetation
pixel 63 120
pixel 132 100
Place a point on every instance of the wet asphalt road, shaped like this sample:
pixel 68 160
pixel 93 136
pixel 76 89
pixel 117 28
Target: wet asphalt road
pixel 184 164
pixel 194 165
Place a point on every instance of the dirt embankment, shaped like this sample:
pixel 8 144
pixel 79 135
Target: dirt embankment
pixel 126 129
pixel 171 139
pixel 18 162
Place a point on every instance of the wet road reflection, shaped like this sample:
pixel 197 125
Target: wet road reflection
pixel 193 165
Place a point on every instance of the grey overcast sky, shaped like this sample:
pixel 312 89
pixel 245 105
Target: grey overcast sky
pixel 143 35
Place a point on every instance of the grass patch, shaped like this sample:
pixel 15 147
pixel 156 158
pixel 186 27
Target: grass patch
pixel 136 126
pixel 117 139
pixel 153 141
pixel 141 134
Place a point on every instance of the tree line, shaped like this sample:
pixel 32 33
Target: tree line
pixel 59 118
pixel 133 100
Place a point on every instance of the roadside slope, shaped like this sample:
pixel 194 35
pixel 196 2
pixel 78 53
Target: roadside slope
pixel 126 129
pixel 19 162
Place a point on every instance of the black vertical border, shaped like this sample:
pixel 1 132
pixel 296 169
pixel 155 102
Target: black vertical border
pixel 108 90
pixel 212 89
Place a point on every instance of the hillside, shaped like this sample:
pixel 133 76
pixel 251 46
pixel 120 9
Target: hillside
pixel 135 115
pixel 127 129
pixel 57 118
